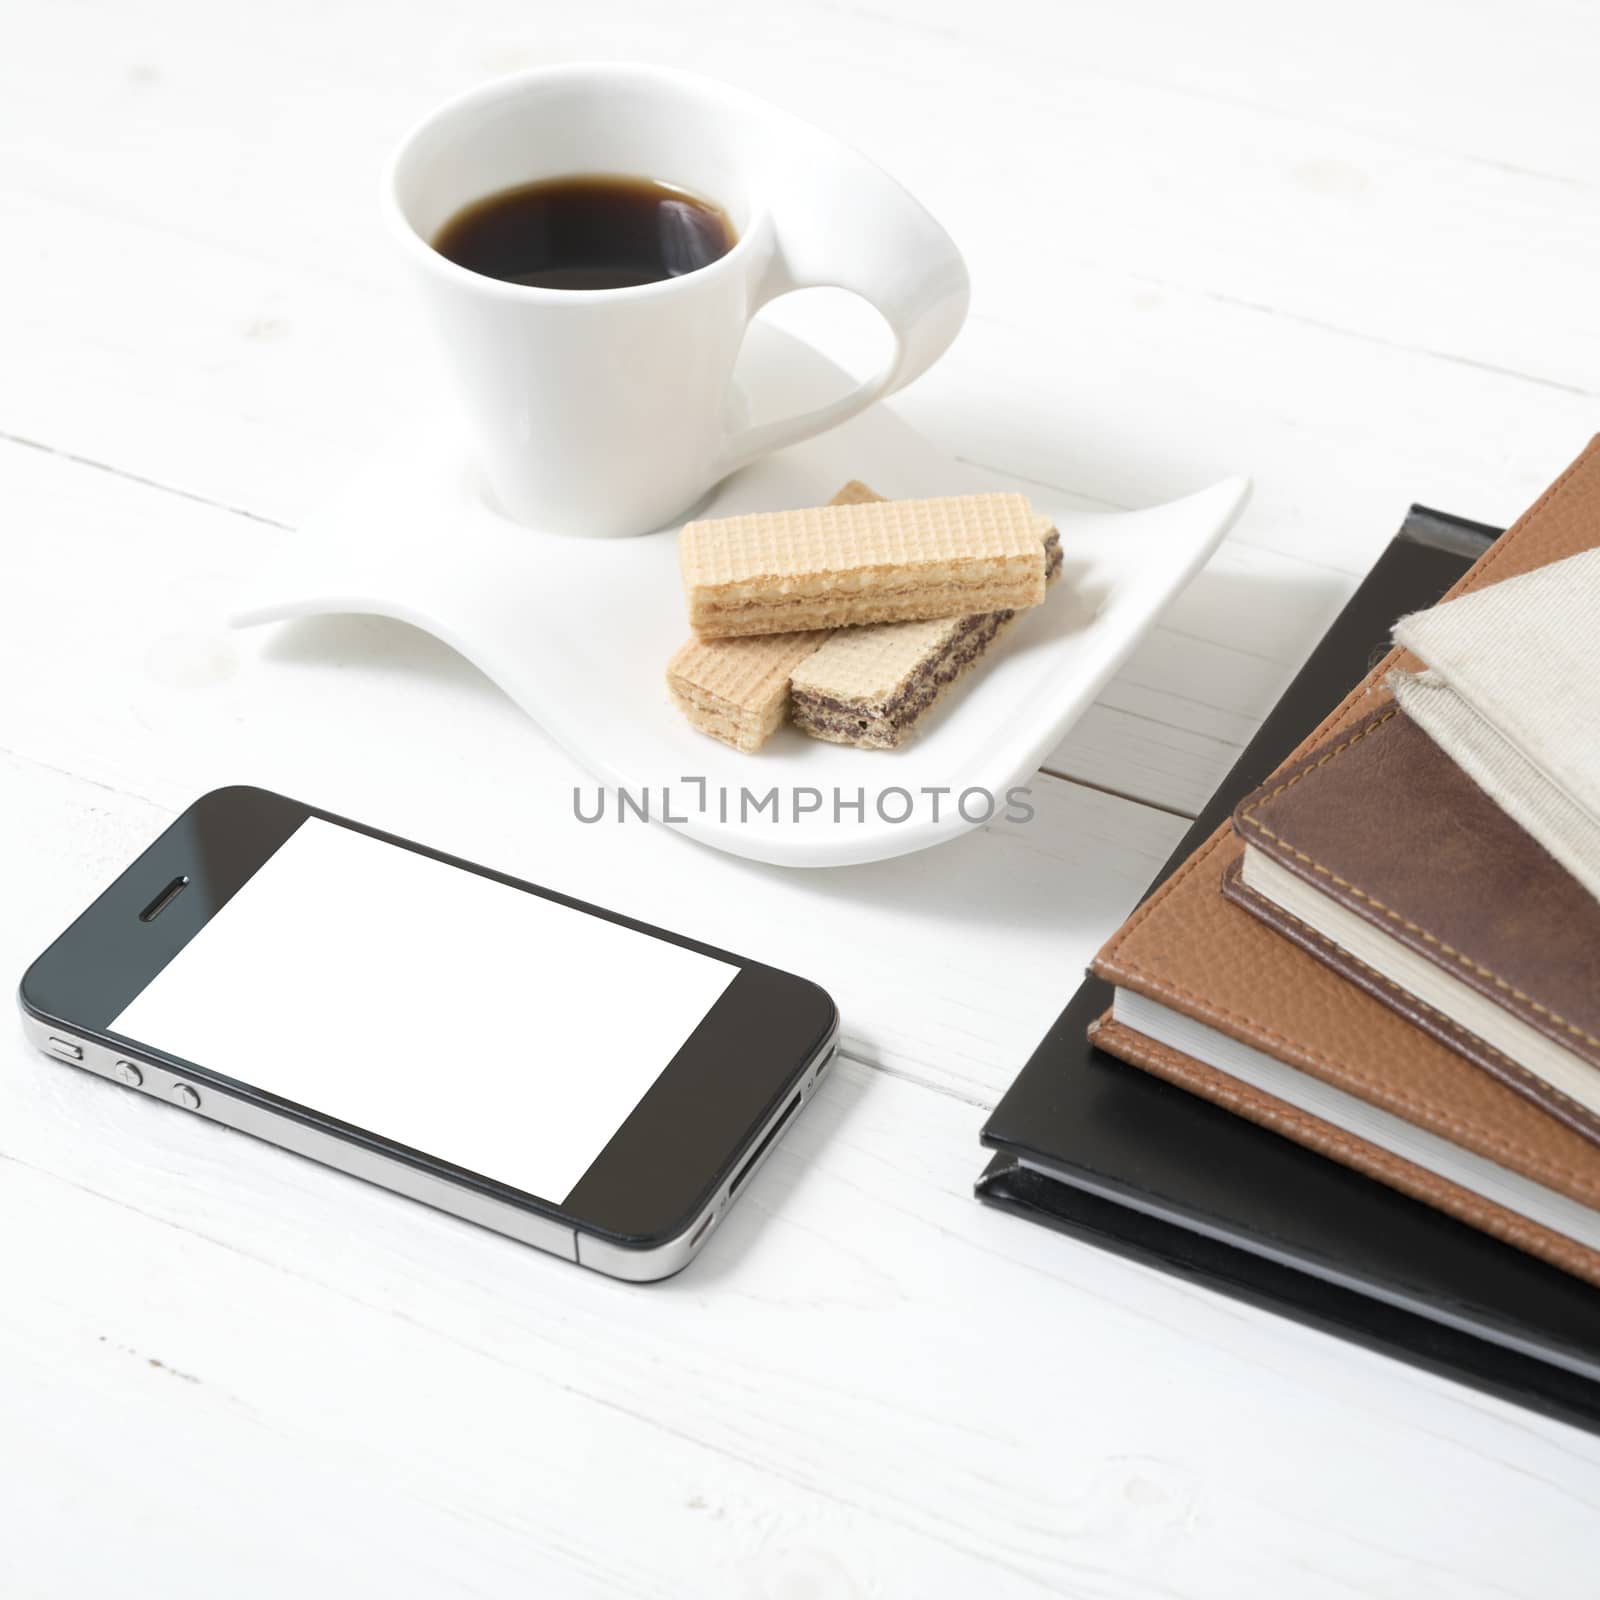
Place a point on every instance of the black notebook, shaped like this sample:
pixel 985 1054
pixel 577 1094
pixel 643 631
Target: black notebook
pixel 1110 1154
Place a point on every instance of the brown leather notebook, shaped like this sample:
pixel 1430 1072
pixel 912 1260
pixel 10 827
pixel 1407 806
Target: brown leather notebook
pixel 1379 856
pixel 1194 968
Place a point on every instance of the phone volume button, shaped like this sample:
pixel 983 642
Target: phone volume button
pixel 186 1096
pixel 126 1072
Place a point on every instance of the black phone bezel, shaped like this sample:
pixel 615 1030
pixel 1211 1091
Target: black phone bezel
pixel 679 1146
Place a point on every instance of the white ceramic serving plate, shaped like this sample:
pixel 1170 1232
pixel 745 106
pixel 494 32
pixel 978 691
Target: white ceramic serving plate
pixel 578 631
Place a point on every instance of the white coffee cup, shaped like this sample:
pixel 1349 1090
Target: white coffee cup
pixel 610 411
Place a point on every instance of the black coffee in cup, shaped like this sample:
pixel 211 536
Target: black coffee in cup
pixel 594 232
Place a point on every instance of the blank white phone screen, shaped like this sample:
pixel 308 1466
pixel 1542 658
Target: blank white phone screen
pixel 475 1022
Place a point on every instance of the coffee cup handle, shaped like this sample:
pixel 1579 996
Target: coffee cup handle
pixel 839 222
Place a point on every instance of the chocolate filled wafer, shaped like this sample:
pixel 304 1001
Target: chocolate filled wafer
pixel 872 686
pixel 737 690
pixel 849 565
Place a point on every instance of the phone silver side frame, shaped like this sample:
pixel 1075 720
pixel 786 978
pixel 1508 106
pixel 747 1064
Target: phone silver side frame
pixel 528 1227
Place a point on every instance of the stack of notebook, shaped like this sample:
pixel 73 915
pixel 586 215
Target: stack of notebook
pixel 1359 1001
pixel 1387 956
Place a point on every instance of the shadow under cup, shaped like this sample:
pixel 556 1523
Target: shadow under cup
pixel 597 411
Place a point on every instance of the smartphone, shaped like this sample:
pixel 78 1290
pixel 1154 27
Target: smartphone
pixel 578 1080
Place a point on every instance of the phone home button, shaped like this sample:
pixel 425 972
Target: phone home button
pixel 185 1096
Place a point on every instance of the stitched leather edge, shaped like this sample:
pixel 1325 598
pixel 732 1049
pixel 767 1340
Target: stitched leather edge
pixel 1469 580
pixel 1487 1141
pixel 1477 1050
pixel 1263 795
pixel 1110 962
pixel 1245 814
pixel 1209 1083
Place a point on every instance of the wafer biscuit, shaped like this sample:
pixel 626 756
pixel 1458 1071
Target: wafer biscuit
pixel 737 690
pixel 886 561
pixel 855 493
pixel 872 686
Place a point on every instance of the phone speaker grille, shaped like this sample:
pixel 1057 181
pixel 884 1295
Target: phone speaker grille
pixel 165 898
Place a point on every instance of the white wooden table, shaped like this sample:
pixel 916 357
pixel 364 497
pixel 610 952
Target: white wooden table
pixel 1351 250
